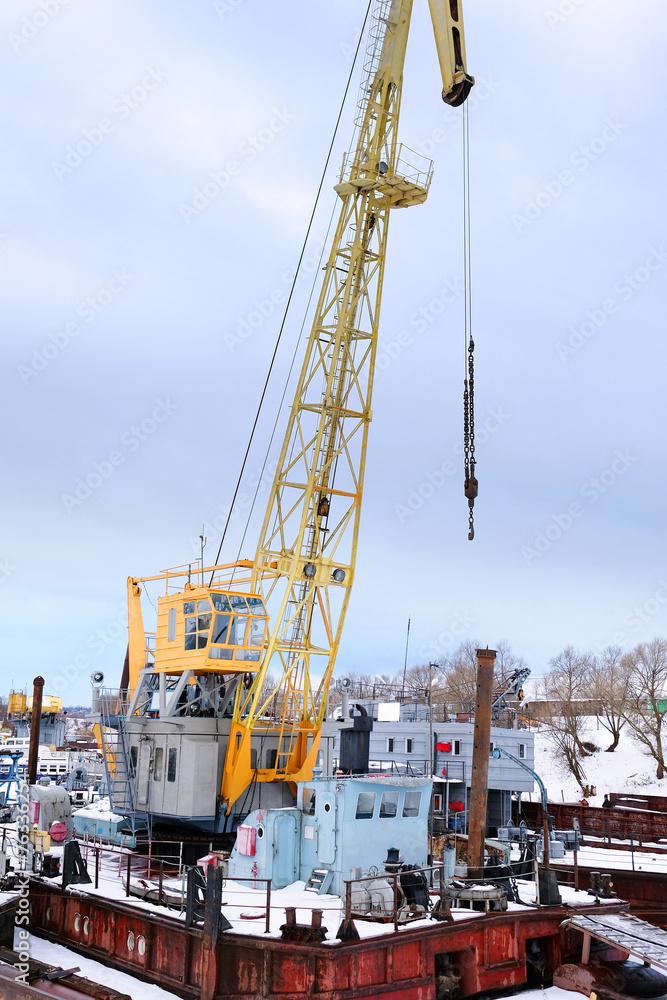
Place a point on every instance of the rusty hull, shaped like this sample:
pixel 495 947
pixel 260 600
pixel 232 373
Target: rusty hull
pixel 489 952
pixel 646 892
pixel 620 822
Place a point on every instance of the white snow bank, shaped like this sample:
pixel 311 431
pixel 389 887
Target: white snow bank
pixel 626 770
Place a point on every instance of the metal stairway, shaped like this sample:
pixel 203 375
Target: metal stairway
pixel 319 880
pixel 117 762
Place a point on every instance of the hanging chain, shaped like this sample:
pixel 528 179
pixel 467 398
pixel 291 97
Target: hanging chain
pixel 470 484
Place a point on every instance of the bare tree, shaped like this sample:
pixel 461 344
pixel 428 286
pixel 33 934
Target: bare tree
pixel 459 676
pixel 610 680
pixel 507 661
pixel 566 692
pixel 459 672
pixel 647 698
pixel 418 679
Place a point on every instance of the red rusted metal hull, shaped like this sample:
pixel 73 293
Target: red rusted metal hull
pixel 639 801
pixel 489 952
pixel 620 822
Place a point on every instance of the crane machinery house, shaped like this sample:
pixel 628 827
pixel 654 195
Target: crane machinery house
pixel 221 710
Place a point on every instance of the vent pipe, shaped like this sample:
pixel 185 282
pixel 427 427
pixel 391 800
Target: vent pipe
pixel 479 785
pixel 35 724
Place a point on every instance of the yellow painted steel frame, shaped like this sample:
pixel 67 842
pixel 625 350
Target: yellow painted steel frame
pixel 311 526
pixel 136 636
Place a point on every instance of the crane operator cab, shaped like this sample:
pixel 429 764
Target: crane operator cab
pixel 208 641
pixel 204 627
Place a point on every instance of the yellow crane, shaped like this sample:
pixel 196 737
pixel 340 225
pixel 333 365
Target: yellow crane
pixel 215 647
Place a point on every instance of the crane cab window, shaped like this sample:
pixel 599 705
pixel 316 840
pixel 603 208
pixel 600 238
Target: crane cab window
pixel 220 629
pixel 247 655
pixel 257 631
pixel 197 625
pixel 237 631
pixel 218 653
pixel 221 602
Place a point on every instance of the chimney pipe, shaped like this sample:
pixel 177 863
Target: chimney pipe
pixel 479 785
pixel 33 751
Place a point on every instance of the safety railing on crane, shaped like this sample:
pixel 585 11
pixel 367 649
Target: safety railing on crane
pixel 410 165
pixel 376 33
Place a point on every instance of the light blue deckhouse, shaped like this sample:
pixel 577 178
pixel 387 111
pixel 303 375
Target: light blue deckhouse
pixel 338 824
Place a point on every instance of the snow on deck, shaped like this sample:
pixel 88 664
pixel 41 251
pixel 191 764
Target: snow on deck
pixel 58 955
pixel 245 906
pixel 606 860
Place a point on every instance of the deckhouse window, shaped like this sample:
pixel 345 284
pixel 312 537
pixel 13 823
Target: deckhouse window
pixel 389 805
pixel 412 803
pixel 365 805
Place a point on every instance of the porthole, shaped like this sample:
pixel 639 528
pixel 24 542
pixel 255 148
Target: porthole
pixel 130 941
pixel 77 922
pixel 260 832
pixel 141 945
pixel 327 807
pixel 86 925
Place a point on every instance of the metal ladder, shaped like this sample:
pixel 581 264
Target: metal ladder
pixel 114 752
pixel 319 881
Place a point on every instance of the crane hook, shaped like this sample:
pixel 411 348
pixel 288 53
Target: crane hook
pixel 470 488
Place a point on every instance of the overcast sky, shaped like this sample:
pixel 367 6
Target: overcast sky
pixel 160 161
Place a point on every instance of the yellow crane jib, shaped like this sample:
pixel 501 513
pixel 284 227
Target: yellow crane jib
pixel 450 43
pixel 219 675
pixel 305 558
